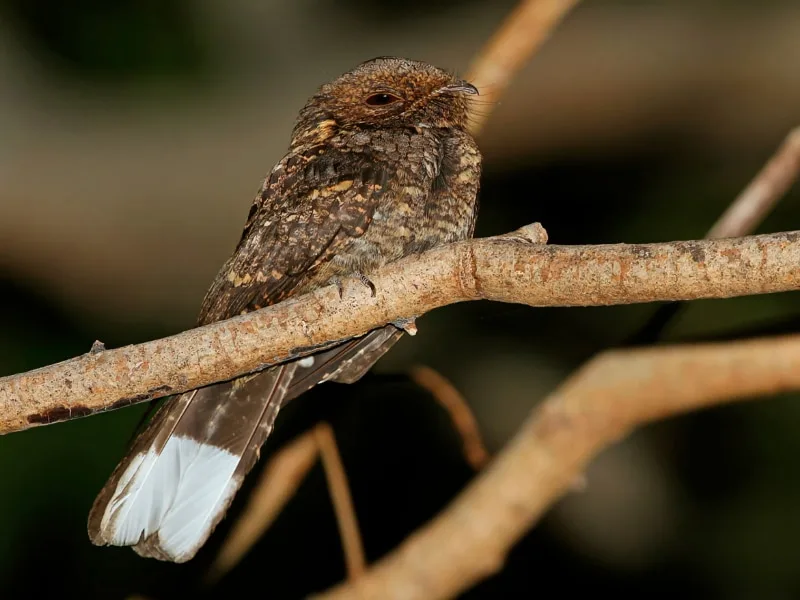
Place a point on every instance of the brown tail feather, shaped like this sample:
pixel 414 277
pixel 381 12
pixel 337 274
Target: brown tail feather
pixel 182 472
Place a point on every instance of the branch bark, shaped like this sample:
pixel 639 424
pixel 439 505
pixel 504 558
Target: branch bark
pixel 501 269
pixel 602 402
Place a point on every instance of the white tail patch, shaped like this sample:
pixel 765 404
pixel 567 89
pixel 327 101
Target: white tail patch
pixel 306 362
pixel 177 494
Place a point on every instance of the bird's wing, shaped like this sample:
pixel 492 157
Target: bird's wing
pixel 180 475
pixel 311 207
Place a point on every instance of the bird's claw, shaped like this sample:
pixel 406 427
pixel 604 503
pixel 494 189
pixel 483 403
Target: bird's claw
pixel 337 281
pixel 365 280
pixel 339 287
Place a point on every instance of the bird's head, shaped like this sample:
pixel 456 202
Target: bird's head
pixel 389 92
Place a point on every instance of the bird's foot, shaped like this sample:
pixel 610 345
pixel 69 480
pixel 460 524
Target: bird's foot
pixel 337 281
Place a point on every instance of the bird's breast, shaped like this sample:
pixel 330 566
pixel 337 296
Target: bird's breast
pixel 431 200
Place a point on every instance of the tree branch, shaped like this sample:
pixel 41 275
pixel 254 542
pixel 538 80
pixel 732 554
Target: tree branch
pixel 500 269
pixel 602 402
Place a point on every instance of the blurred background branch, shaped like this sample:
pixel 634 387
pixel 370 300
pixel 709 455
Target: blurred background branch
pixel 446 394
pixel 510 48
pixel 755 202
pixel 342 501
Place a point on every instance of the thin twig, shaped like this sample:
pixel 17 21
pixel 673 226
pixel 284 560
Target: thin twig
pixel 342 501
pixel 763 193
pixel 277 485
pixel 520 35
pixel 460 413
pixel 601 403
pixel 491 269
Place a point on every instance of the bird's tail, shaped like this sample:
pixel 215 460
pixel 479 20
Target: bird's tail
pixel 182 472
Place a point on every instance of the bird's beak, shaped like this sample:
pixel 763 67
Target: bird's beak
pixel 463 87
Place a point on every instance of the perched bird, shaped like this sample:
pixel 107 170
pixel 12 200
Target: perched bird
pixel 380 166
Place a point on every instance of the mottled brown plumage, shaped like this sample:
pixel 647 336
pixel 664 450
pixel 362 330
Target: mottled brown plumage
pixel 380 166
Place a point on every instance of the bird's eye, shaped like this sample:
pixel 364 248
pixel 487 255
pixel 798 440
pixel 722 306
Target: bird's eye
pixel 381 99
